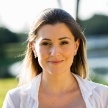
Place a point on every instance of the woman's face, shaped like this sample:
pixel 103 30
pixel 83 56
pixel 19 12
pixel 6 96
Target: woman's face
pixel 55 48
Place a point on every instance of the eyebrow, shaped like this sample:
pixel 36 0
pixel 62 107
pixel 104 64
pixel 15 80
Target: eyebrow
pixel 58 39
pixel 64 38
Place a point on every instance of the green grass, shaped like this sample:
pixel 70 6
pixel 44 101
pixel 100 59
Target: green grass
pixel 5 85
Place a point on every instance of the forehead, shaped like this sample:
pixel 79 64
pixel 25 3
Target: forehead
pixel 54 31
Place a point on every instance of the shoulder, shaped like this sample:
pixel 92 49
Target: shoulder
pixel 90 85
pixel 99 94
pixel 14 96
pixel 26 88
pixel 94 87
pixel 95 93
pixel 19 90
pixel 22 94
pixel 101 89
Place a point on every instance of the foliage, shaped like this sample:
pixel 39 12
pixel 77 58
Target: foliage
pixel 96 25
pixel 13 52
pixel 22 37
pixel 7 36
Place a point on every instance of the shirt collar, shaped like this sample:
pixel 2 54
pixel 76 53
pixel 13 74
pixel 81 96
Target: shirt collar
pixel 35 87
pixel 32 88
pixel 85 86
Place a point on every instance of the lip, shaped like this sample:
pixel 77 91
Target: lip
pixel 55 61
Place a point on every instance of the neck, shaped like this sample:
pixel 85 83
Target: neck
pixel 57 84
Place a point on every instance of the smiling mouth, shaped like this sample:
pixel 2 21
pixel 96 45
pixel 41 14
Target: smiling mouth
pixel 56 62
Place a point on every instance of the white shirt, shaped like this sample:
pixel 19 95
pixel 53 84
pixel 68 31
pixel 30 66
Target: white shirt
pixel 95 95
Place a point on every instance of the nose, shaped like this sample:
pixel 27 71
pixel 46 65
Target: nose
pixel 55 51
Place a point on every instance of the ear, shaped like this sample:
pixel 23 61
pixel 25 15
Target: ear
pixel 32 46
pixel 77 43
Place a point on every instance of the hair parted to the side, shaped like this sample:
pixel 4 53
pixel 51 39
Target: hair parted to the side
pixel 31 67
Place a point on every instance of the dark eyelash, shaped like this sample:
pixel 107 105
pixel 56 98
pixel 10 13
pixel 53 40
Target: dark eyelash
pixel 64 42
pixel 46 43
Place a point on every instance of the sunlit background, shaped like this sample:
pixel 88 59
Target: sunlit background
pixel 17 16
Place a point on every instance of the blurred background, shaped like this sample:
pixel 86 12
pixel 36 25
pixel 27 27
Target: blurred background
pixel 16 17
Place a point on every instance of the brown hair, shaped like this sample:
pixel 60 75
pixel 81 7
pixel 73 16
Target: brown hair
pixel 52 16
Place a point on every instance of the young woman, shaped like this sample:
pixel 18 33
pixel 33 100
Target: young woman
pixel 55 69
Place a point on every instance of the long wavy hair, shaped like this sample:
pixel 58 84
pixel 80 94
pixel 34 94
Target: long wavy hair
pixel 31 67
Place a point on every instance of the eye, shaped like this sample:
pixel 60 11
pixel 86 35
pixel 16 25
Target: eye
pixel 46 43
pixel 64 42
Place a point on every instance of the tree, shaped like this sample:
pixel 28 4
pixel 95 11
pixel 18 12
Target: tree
pixel 96 25
pixel 7 36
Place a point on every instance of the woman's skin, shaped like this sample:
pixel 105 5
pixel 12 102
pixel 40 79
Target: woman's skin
pixel 55 48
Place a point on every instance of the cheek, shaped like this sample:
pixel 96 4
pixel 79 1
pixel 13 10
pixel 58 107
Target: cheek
pixel 69 51
pixel 69 55
pixel 42 52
